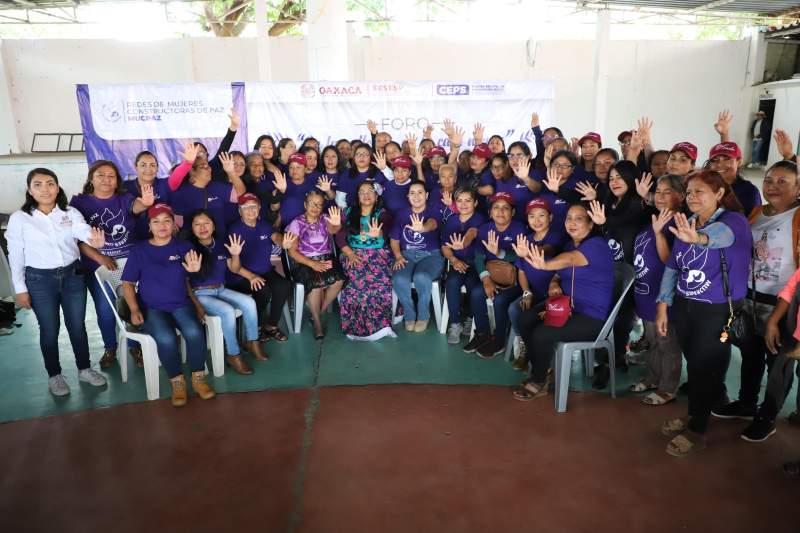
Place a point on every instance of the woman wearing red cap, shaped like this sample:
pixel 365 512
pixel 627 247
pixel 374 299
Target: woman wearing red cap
pixel 395 192
pixel 160 268
pixel 681 159
pixel 589 144
pixel 726 158
pixel 479 176
pixel 299 184
pixel 494 262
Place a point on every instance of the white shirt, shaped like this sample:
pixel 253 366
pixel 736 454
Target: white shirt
pixel 774 256
pixel 43 241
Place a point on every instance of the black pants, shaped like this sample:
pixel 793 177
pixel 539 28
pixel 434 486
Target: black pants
pixel 699 326
pixel 755 358
pixel 275 291
pixel 541 340
pixel 779 384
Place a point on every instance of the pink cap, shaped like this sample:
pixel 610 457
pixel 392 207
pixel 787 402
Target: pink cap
pixel 297 157
pixel 687 148
pixel 537 203
pixel 502 196
pixel 624 134
pixel 436 151
pixel 401 162
pixel 248 197
pixel 482 151
pixel 591 136
pixel 727 149
pixel 158 209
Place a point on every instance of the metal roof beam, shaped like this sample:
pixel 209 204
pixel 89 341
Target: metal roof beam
pixel 709 6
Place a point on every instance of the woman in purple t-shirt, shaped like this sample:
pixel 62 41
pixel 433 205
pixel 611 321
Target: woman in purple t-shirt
pixel 716 237
pixel 584 271
pixel 313 261
pixel 103 204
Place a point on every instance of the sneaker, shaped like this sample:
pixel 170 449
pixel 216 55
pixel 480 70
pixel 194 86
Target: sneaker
pixel 759 430
pixel 735 409
pixel 454 333
pixel 466 327
pixel 420 326
pixel 92 376
pixel 477 341
pixel 519 349
pixel 58 385
pixel 491 348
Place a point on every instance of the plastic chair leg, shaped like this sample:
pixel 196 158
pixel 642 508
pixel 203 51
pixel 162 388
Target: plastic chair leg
pixel 436 300
pixel 151 364
pixel 562 369
pixel 287 316
pixel 612 365
pixel 123 359
pixel 510 345
pixel 589 362
pixel 299 297
pixel 215 340
pixel 395 319
pixel 445 316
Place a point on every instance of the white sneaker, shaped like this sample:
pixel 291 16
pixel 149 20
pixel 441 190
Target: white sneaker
pixel 519 348
pixel 92 376
pixel 58 385
pixel 466 327
pixel 454 333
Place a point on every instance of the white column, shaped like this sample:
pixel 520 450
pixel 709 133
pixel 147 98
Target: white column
pixel 9 140
pixel 327 40
pixel 262 42
pixel 600 77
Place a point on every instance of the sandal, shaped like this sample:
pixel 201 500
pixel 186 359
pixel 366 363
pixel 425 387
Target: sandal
pixel 109 356
pixel 642 387
pixel 529 391
pixel 658 398
pixel 273 333
pixel 685 443
pixel 136 354
pixel 674 427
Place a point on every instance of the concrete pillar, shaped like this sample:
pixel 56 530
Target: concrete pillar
pixel 327 40
pixel 262 42
pixel 600 74
pixel 9 139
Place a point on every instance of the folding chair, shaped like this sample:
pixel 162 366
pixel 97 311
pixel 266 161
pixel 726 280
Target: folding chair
pixel 623 279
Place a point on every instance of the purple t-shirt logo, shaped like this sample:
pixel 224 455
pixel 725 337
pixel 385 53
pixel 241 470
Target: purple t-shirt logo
pixel 639 247
pixel 692 264
pixel 414 239
pixel 616 250
pixel 113 224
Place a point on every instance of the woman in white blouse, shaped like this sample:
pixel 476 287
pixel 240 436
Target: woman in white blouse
pixel 47 274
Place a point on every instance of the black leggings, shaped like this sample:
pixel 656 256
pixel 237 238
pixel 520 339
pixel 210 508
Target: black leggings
pixel 699 326
pixel 541 340
pixel 277 288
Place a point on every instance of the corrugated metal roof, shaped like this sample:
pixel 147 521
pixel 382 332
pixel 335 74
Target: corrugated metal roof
pixel 763 7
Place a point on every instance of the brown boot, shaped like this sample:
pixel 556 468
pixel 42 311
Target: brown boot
pixel 254 347
pixel 238 364
pixel 178 391
pixel 201 386
pixel 109 356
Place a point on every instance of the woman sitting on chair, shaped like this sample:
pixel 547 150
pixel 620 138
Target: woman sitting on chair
pixel 161 266
pixel 217 257
pixel 313 262
pixel 585 272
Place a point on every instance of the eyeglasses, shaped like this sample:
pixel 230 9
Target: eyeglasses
pixel 250 206
pixel 625 143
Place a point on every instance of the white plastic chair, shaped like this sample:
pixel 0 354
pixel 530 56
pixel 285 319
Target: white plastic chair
pixel 216 343
pixel 287 314
pixel 623 279
pixel 436 302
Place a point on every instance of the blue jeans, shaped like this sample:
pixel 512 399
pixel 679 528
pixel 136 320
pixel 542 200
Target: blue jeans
pixel 105 315
pixel 223 303
pixel 756 155
pixel 161 326
pixel 452 288
pixel 50 289
pixel 422 267
pixel 500 303
pixel 514 310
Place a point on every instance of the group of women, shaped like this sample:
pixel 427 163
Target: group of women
pixel 503 231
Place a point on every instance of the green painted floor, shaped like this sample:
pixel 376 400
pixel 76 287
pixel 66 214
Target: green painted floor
pixel 298 363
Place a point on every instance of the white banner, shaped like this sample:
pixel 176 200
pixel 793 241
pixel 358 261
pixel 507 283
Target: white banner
pixel 333 110
pixel 164 111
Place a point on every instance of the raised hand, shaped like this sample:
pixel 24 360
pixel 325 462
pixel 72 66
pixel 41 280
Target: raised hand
pixel 289 240
pixel 374 228
pixel 597 212
pixel 643 185
pixel 456 242
pixel 534 119
pixel 521 246
pixel 636 142
pixel 417 157
pixel 492 244
pixel 684 229
pixel 784 144
pixel 97 238
pixel 373 127
pixel 227 162
pixel 723 123
pixel 411 139
pixel 380 160
pixel 457 136
pixel 192 261
pixel 449 127
pixel 477 133
pixel 417 223
pixel 190 150
pixel 324 183
pixel 335 216
pixel 234 245
pixel 524 168
pixel 588 193
pixel 447 198
pixel 645 128
pixel 280 181
pixel 663 218
pixel 553 180
pixel 548 154
pixel 427 132
pixel 234 116
pixel 535 257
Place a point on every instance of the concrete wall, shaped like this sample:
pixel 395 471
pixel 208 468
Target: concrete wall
pixel 680 85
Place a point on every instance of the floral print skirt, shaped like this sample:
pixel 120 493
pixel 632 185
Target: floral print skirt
pixel 366 300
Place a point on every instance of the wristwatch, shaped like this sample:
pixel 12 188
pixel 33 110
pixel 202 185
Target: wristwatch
pixel 527 294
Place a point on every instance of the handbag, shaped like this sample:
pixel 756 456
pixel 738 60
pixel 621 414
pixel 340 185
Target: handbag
pixel 502 273
pixel 558 309
pixel 741 323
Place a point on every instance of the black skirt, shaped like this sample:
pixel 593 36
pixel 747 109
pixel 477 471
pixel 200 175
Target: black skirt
pixel 312 279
